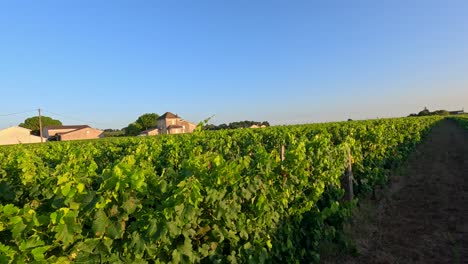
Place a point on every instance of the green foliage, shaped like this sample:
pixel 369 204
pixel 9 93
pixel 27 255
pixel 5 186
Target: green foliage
pixel 210 197
pixel 133 129
pixel 236 125
pixel 462 120
pixel 203 125
pixel 441 112
pixel 114 133
pixel 426 112
pixel 148 120
pixel 33 123
pixel 143 122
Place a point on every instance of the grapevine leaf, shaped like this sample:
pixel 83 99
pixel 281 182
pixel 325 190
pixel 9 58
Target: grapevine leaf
pixel 10 210
pixel 65 231
pixel 100 222
pixel 30 243
pixel 38 253
pixel 18 226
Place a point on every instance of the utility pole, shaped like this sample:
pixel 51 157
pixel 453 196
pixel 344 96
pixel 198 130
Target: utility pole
pixel 40 125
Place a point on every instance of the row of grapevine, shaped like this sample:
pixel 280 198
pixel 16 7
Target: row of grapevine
pixel 462 120
pixel 211 197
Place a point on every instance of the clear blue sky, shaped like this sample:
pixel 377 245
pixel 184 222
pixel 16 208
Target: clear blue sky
pixel 107 62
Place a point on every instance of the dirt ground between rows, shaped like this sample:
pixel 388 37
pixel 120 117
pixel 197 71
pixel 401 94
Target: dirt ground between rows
pixel 422 217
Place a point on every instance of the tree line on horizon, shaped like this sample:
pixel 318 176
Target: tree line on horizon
pixel 143 122
pixel 236 125
pixel 149 120
pixel 426 112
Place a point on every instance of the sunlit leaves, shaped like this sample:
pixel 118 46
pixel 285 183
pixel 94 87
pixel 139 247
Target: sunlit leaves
pixel 232 196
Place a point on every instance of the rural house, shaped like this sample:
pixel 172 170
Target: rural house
pixel 65 133
pixel 173 124
pixel 17 135
pixel 169 124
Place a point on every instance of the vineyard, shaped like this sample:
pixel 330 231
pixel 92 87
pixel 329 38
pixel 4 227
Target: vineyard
pixel 462 121
pixel 234 196
pixel 425 197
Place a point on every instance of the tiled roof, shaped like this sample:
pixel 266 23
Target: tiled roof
pixel 168 115
pixel 67 127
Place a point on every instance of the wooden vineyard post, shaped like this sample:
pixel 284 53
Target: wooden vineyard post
pixel 282 152
pixel 347 179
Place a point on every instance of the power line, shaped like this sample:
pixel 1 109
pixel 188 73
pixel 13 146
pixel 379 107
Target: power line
pixel 18 113
pixel 64 116
pixel 72 118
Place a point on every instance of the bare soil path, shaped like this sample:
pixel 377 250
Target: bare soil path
pixel 423 216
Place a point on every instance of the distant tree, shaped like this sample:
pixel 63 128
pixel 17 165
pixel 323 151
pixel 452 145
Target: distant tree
pixel 110 132
pixel 33 123
pixel 265 123
pixel 210 127
pixel 424 112
pixel 133 129
pixel 237 125
pixel 143 122
pixel 441 112
pixel 148 120
pixel 349 119
pixel 223 126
